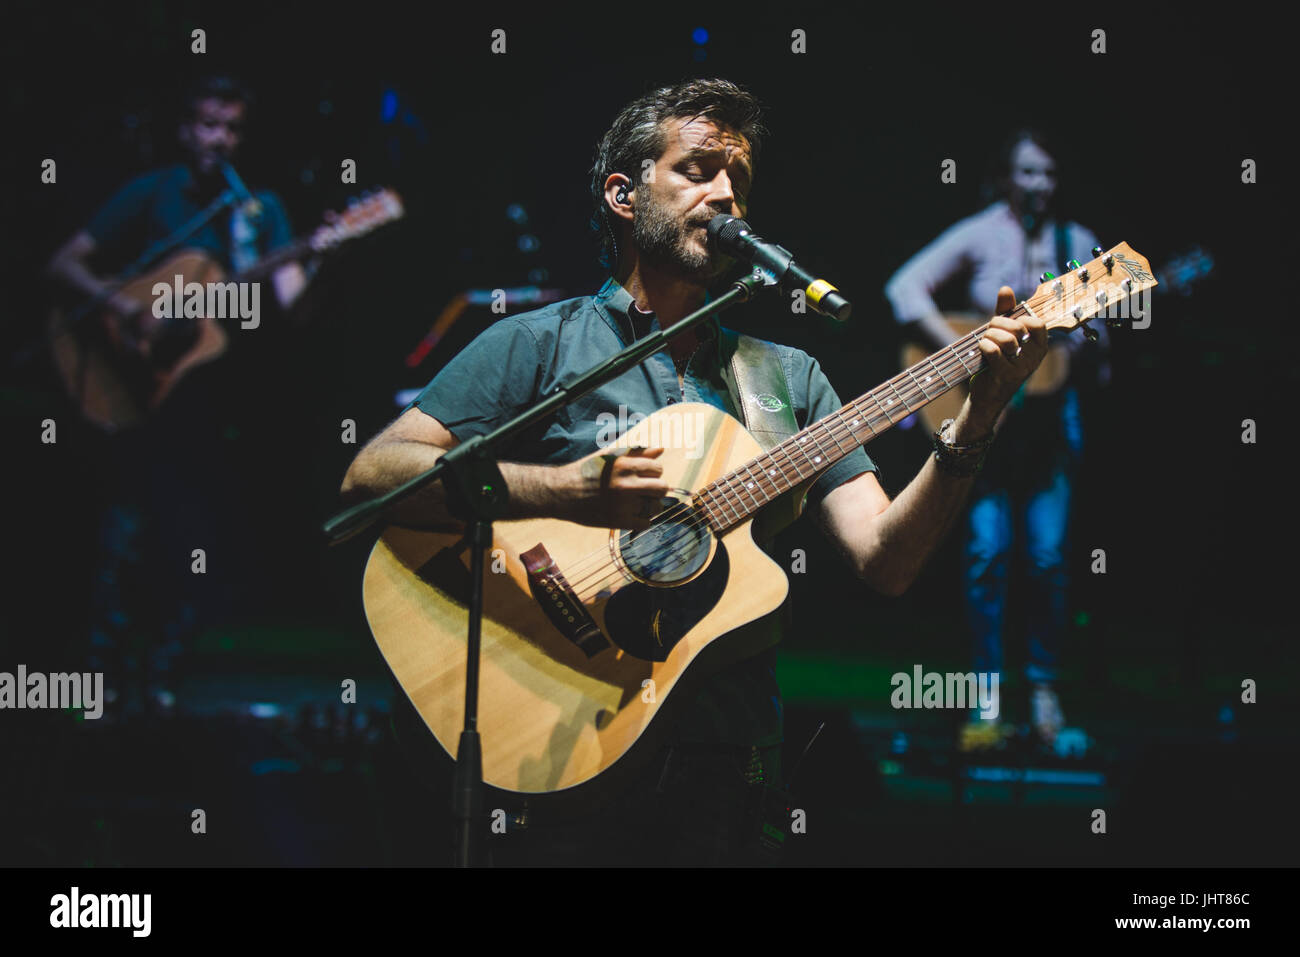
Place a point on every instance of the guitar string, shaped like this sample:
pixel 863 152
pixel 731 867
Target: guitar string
pixel 836 429
pixel 609 569
pixel 726 493
pixel 713 498
pixel 723 493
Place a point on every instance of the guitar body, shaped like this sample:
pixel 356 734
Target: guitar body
pixel 114 388
pixel 1046 379
pixel 560 703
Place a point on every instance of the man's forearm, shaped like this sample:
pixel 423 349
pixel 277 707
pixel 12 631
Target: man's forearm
pixel 74 274
pixel 914 524
pixel 533 488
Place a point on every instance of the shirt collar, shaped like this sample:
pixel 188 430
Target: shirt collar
pixel 616 306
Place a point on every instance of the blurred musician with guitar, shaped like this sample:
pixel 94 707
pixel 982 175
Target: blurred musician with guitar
pixel 1028 479
pixel 162 467
pixel 160 203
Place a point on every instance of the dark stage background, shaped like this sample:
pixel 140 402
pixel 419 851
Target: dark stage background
pixel 1197 526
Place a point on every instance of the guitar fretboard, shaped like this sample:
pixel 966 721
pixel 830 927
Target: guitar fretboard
pixel 735 497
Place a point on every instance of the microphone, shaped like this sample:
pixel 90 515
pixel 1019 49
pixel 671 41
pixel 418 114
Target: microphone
pixel 732 235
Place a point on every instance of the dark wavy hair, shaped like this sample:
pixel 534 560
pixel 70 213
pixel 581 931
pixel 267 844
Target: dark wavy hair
pixel 216 86
pixel 997 180
pixel 637 135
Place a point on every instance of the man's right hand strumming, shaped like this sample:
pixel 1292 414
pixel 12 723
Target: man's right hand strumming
pixel 608 491
pixel 614 491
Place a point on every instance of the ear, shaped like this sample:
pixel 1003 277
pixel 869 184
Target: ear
pixel 613 184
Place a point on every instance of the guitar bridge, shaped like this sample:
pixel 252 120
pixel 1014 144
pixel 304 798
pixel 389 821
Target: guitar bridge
pixel 556 596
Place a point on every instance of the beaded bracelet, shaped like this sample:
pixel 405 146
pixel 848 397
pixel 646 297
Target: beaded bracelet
pixel 960 461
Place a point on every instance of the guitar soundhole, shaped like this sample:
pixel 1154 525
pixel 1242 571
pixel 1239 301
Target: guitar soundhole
pixel 672 549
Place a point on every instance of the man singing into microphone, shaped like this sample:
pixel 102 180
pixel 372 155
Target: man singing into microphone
pixel 672 160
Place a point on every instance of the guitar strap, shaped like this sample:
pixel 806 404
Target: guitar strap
pixel 758 388
pixel 1062 235
pixel 1062 243
pixel 756 382
pixel 760 399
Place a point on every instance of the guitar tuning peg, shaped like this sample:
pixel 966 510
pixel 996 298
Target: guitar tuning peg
pixel 1096 251
pixel 1046 276
pixel 1073 264
pixel 1114 323
pixel 1090 333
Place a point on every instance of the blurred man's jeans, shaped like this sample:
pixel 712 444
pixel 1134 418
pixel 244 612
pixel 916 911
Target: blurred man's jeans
pixel 1037 515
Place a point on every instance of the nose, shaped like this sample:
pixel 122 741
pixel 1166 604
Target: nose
pixel 723 196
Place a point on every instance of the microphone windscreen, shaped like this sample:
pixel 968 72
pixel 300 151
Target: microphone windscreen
pixel 723 229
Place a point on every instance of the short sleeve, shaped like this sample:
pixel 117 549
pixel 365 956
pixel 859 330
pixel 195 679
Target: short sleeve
pixel 819 401
pixel 124 213
pixel 487 382
pixel 910 290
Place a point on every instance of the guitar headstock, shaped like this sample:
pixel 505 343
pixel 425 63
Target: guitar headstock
pixel 1072 299
pixel 362 215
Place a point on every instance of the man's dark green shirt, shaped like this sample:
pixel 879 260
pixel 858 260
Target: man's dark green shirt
pixel 519 359
pixel 156 204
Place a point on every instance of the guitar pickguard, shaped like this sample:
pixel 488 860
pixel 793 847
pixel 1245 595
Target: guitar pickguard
pixel 647 621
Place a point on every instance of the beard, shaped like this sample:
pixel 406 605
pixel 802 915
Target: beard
pixel 661 238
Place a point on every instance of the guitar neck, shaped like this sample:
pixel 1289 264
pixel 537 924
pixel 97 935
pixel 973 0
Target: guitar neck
pixel 273 261
pixel 735 497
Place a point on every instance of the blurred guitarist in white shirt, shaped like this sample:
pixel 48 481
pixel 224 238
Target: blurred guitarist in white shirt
pixel 1023 494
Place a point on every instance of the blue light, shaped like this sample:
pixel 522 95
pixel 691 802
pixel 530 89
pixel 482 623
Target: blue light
pixel 388 107
pixel 700 35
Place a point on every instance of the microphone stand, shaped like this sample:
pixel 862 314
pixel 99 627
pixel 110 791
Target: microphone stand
pixel 477 493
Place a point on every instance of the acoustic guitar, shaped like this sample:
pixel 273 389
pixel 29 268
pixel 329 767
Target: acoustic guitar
pixel 589 632
pixel 117 379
